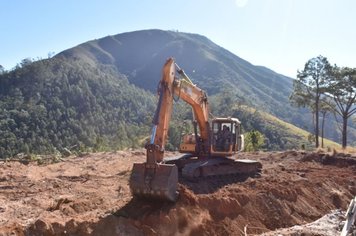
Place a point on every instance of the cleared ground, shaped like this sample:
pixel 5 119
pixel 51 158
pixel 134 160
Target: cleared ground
pixel 89 195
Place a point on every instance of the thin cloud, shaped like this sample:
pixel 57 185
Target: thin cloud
pixel 241 3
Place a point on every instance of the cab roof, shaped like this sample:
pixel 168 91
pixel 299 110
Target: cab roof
pixel 228 119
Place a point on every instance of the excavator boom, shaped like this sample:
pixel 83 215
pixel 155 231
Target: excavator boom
pixel 153 179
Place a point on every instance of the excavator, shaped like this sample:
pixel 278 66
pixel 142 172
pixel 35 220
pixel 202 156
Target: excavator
pixel 209 152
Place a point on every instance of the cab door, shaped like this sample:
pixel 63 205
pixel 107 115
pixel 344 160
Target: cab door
pixel 239 139
pixel 223 138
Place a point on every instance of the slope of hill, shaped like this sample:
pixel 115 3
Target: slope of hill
pixel 279 135
pixel 98 95
pixel 52 104
pixel 140 55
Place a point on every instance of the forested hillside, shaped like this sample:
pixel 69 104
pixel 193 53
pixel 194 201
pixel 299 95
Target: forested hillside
pixel 100 95
pixel 140 55
pixel 52 104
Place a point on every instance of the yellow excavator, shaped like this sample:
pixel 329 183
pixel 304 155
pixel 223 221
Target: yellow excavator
pixel 210 151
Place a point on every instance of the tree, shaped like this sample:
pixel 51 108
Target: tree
pixel 26 62
pixel 342 89
pixel 311 83
pixel 325 108
pixel 2 69
pixel 254 140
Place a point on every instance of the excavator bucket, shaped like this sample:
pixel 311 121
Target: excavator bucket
pixel 159 181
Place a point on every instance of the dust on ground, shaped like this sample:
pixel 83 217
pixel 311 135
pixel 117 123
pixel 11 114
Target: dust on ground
pixel 89 195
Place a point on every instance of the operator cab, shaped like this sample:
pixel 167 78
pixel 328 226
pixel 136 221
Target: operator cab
pixel 226 136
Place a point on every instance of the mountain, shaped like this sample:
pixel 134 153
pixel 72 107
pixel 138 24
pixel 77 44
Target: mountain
pixel 140 56
pixel 100 95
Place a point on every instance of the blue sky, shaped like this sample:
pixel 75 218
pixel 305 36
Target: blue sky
pixel 279 34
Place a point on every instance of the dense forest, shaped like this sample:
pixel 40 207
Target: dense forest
pixel 53 104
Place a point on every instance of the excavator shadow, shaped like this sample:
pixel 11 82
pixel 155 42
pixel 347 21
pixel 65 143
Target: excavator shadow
pixel 212 184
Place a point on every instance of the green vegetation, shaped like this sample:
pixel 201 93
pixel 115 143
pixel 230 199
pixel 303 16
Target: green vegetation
pixel 309 87
pixel 277 134
pixel 323 88
pixel 53 104
pixel 99 96
pixel 342 90
pixel 254 140
pixel 50 105
pixel 141 54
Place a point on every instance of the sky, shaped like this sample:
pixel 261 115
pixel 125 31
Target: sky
pixel 279 34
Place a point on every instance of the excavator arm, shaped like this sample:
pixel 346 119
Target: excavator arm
pixel 159 178
pixel 197 99
pixel 183 88
pixel 154 178
pixel 162 117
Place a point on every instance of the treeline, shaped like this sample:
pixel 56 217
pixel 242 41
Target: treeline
pixel 324 88
pixel 52 104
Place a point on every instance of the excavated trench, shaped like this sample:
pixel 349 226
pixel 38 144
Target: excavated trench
pixel 295 188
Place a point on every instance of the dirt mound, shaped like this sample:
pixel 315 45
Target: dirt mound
pixel 90 196
pixel 337 159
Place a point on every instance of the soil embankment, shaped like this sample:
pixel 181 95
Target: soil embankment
pixel 89 195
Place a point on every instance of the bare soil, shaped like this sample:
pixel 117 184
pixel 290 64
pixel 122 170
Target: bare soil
pixel 89 195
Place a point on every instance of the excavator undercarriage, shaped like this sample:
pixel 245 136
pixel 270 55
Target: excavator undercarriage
pixel 191 167
pixel 161 181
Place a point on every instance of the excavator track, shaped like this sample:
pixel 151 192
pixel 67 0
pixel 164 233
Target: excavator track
pixel 221 167
pixel 193 168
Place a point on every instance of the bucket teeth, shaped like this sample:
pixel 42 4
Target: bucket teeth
pixel 159 182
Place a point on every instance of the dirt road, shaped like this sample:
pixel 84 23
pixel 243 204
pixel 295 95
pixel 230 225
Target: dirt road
pixel 89 195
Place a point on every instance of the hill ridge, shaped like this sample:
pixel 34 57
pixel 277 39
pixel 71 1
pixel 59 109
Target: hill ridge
pixel 99 95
